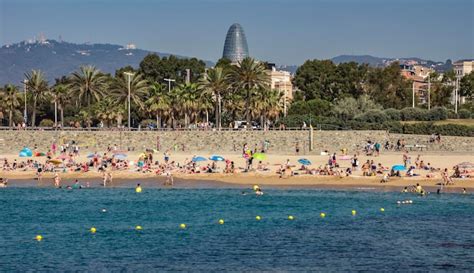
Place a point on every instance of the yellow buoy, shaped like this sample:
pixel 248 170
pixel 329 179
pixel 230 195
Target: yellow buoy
pixel 138 228
pixel 322 214
pixel 382 209
pixel 258 218
pixel 38 238
pixel 221 221
pixel 290 217
pixel 255 187
pixel 138 189
pixel 182 226
pixel 354 212
pixel 93 230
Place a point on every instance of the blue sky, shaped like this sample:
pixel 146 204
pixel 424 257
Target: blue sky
pixel 282 31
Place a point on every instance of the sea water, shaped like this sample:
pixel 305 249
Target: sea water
pixel 434 233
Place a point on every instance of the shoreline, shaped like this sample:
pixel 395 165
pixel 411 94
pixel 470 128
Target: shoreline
pixel 246 181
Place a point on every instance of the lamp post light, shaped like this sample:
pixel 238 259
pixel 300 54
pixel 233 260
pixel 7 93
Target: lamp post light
pixel 129 76
pixel 169 83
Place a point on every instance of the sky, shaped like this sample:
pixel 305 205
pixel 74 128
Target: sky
pixel 281 31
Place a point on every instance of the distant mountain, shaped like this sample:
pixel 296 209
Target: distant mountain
pixel 382 62
pixel 56 58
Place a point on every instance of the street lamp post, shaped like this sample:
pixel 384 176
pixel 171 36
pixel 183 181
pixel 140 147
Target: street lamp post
pixel 413 95
pixel 169 83
pixel 55 111
pixel 429 92
pixel 25 113
pixel 129 76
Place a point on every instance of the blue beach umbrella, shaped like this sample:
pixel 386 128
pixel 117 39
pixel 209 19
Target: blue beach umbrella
pixel 120 156
pixel 398 168
pixel 198 159
pixel 26 152
pixel 304 161
pixel 217 158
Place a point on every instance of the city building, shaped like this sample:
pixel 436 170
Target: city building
pixel 281 80
pixel 235 46
pixel 461 68
pixel 419 75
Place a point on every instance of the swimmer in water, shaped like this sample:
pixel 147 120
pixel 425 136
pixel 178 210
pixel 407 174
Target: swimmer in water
pixel 258 192
pixel 405 189
pixel 464 191
pixel 76 185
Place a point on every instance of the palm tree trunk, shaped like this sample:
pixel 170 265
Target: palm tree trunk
pixel 10 118
pixel 33 118
pixel 247 111
pixel 62 117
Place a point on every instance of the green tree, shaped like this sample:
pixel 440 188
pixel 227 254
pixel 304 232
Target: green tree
pixel 466 86
pixel 388 87
pixel 317 79
pixel 38 87
pixel 87 85
pixel 215 82
pixel 10 101
pixel 59 94
pixel 138 90
pixel 158 102
pixel 249 76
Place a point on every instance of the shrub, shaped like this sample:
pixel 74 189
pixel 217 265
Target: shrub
pixel 148 123
pixel 46 123
pixel 452 114
pixel 372 116
pixel 437 113
pixel 413 113
pixel 393 114
pixel 464 114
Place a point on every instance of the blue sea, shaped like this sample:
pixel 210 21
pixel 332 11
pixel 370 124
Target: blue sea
pixel 435 233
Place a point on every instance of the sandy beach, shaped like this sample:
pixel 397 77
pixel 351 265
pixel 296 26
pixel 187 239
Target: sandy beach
pixel 268 178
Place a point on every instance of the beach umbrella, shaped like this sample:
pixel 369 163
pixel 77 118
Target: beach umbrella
pixel 26 152
pixel 216 158
pixel 304 161
pixel 92 155
pixel 120 156
pixel 465 165
pixel 259 156
pixel 399 168
pixel 198 159
pixel 55 161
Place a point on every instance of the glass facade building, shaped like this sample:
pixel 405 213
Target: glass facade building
pixel 235 46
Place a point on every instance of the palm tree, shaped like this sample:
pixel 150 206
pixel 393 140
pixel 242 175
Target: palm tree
pixel 138 90
pixel 38 86
pixel 215 82
pixel 158 102
pixel 10 101
pixel 87 85
pixel 188 98
pixel 60 95
pixel 249 75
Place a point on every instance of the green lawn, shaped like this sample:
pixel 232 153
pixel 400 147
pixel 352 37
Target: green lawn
pixel 468 122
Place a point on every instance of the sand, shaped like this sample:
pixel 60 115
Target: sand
pixel 269 178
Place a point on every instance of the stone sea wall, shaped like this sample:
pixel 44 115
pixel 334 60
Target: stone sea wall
pixel 11 141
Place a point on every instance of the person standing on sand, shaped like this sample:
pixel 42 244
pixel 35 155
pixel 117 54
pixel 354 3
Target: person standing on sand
pixel 169 178
pixel 57 180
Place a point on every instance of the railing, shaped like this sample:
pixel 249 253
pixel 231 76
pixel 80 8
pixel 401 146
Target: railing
pixel 146 129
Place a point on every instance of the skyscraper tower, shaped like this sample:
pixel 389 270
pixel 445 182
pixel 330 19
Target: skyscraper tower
pixel 235 46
